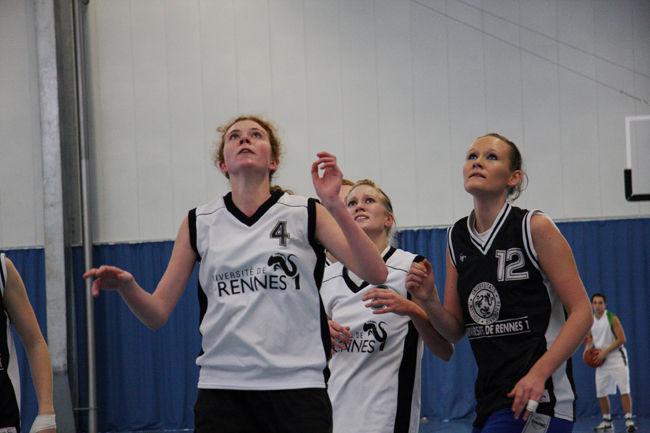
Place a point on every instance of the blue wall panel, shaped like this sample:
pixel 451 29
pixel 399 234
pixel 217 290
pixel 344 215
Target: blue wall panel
pixel 147 379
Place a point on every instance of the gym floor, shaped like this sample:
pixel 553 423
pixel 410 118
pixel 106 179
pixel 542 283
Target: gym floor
pixel 583 425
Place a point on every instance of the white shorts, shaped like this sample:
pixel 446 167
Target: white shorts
pixel 608 378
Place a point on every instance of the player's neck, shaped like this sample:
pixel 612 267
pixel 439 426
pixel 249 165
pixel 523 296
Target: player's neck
pixel 486 211
pixel 249 196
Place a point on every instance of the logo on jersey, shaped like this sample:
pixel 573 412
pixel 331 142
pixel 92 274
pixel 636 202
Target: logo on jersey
pixel 372 337
pixel 484 303
pixel 249 280
pixel 378 331
pixel 287 265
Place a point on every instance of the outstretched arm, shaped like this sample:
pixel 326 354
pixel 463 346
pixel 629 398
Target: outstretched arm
pixel 23 318
pixel 387 301
pixel 336 229
pixel 447 320
pixel 557 262
pixel 153 309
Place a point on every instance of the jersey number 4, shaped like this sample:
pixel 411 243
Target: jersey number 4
pixel 280 232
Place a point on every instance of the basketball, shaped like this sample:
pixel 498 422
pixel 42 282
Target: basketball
pixel 589 357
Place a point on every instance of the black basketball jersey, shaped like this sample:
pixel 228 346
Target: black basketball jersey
pixel 9 380
pixel 511 312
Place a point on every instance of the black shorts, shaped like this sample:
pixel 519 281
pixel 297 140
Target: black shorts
pixel 281 411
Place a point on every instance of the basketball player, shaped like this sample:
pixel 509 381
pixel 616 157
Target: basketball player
pixel 15 308
pixel 265 340
pixel 375 382
pixel 608 337
pixel 510 277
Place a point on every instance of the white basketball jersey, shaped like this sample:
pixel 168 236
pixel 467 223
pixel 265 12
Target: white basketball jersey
pixel 603 336
pixel 262 321
pixel 375 383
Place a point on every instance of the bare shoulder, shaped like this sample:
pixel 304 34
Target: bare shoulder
pixel 542 226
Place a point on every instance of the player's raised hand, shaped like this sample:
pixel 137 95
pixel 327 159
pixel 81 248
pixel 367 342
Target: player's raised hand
pixel 328 185
pixel 420 282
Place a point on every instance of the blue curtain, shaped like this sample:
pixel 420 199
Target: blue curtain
pixel 612 258
pixel 147 379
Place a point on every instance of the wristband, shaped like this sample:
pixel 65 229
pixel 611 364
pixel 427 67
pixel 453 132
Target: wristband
pixel 43 422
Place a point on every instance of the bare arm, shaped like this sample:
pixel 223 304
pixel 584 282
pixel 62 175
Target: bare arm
pixel 23 318
pixel 447 320
pixel 336 229
pixel 557 262
pixel 388 301
pixel 153 309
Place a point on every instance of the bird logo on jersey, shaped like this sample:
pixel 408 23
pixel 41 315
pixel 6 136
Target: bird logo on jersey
pixel 373 328
pixel 280 262
pixel 484 303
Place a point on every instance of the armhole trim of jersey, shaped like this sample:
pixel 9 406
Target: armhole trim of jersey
pixel 610 320
pixel 319 250
pixel 3 274
pixel 191 222
pixel 450 246
pixel 527 236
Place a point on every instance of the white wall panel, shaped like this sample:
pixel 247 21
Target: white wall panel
pixel 436 168
pixel 153 146
pixel 576 24
pixel 253 63
pixel 217 21
pixel 397 90
pixel 182 41
pixel 397 148
pixel 541 118
pixel 501 29
pixel 322 47
pixel 506 10
pixel 641 18
pixel 115 199
pixel 614 32
pixel 289 92
pixel 579 139
pixel 539 16
pixel 535 43
pixel 467 100
pixel 359 89
pixel 21 196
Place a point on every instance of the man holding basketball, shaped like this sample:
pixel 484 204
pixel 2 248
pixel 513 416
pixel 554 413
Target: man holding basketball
pixel 608 338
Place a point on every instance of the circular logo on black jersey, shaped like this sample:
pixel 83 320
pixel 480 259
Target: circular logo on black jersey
pixel 484 303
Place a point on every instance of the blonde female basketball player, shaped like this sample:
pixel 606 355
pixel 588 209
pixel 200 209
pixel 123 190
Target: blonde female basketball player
pixel 377 331
pixel 510 278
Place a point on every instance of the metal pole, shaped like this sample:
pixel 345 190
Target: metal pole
pixel 80 61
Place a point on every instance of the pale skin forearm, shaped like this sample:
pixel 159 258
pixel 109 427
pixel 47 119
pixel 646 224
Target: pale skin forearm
pixel 436 343
pixel 366 261
pixel 568 340
pixel 41 369
pixel 446 320
pixel 387 301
